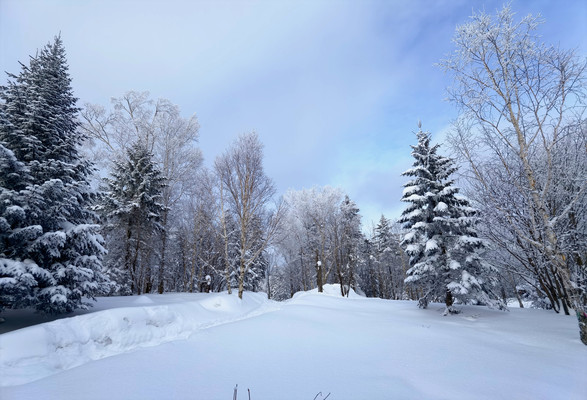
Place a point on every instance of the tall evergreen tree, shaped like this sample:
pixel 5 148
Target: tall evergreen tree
pixel 441 240
pixel 383 257
pixel 50 237
pixel 132 209
pixel 350 241
pixel 17 278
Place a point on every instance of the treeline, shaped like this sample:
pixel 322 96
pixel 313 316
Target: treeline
pixel 171 224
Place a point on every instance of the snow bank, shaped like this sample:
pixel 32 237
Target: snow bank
pixel 35 352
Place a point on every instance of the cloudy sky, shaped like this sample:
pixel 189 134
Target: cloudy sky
pixel 334 88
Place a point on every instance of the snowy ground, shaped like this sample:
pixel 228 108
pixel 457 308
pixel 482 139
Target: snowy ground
pixel 198 346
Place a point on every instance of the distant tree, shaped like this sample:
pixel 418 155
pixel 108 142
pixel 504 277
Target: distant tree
pixel 247 191
pixel 205 255
pixel 520 100
pixel 349 239
pixel 441 239
pixel 388 267
pixel 281 283
pixel 51 252
pixel 311 241
pixel 132 208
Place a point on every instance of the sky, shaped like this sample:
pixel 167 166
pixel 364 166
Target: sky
pixel 334 89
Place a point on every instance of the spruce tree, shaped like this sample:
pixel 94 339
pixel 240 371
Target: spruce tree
pixel 383 257
pixel 441 240
pixel 351 238
pixel 18 277
pixel 54 241
pixel 255 275
pixel 132 210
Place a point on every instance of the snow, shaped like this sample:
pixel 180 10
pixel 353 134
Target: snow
pixel 431 245
pixel 63 344
pixel 416 213
pixel 413 198
pixel 410 189
pixel 470 240
pixel 412 248
pixel 441 207
pixel 199 346
pixel 409 236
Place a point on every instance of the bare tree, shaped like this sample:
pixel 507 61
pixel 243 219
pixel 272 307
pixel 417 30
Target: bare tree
pixel 246 189
pixel 313 236
pixel 159 126
pixel 200 215
pixel 519 101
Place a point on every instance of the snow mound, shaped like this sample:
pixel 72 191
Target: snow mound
pixel 329 290
pixel 38 351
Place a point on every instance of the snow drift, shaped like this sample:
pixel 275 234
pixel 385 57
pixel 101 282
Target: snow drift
pixel 38 351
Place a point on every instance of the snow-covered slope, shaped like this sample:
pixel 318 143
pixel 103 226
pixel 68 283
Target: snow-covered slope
pixel 353 348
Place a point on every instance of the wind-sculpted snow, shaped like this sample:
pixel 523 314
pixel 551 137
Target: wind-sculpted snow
pixel 35 352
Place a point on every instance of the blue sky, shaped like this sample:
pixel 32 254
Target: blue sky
pixel 333 88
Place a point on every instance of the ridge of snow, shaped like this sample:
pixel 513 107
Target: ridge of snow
pixel 38 351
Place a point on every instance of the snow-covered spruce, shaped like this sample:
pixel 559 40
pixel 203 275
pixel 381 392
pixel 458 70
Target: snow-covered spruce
pixel 132 207
pixel 441 241
pixel 347 257
pixel 50 250
pixel 387 259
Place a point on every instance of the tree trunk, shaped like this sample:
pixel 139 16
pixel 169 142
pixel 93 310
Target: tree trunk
pixel 135 267
pixel 161 286
pixel 304 274
pixel 319 273
pixel 241 279
pixel 449 299
pixel 268 282
pixel 127 262
pixel 582 317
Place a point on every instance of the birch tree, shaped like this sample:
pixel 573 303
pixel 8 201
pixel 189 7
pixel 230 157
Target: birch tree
pixel 519 99
pixel 313 221
pixel 247 192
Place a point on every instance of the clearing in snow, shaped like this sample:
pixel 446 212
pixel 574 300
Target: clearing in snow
pixel 199 346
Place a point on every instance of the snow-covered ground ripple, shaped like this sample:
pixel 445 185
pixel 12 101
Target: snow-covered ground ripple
pixel 38 351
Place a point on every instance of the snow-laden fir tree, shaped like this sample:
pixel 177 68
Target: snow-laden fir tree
pixel 255 275
pixel 50 250
pixel 18 277
pixel 383 259
pixel 351 239
pixel 132 211
pixel 367 273
pixel 441 241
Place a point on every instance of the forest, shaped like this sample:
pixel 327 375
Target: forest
pixel 115 199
